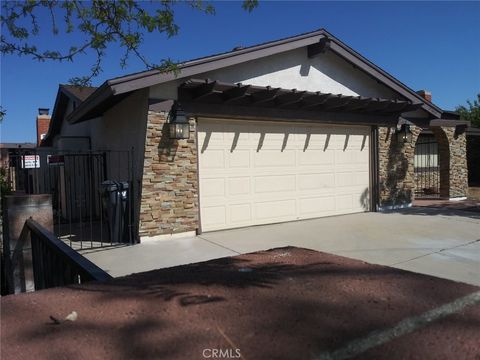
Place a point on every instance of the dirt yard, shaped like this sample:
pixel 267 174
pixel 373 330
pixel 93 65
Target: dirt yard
pixel 286 303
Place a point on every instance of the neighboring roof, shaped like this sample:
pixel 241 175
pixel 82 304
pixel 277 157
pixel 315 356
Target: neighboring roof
pixel 450 114
pixel 18 145
pixel 215 92
pixel 105 95
pixel 78 92
pixel 64 94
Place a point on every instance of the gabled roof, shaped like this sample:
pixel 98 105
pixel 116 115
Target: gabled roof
pixel 65 93
pixel 105 95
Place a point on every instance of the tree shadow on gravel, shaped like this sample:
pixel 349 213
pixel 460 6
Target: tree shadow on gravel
pixel 284 303
pixel 198 284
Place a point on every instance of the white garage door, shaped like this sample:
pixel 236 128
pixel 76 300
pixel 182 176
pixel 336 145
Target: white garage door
pixel 264 172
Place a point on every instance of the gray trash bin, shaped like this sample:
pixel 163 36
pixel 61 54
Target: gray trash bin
pixel 115 206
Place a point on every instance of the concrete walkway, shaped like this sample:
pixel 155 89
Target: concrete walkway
pixel 439 242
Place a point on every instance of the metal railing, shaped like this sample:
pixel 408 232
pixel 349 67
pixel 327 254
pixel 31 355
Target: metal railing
pixel 74 179
pixel 426 167
pixel 53 263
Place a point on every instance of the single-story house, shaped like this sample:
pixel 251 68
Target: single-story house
pixel 291 129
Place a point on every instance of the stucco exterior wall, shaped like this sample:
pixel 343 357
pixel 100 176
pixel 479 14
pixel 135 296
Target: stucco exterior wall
pixel 169 201
pixel 73 137
pixel 327 73
pixel 294 69
pixel 122 128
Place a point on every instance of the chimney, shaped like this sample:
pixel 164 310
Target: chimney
pixel 427 95
pixel 43 122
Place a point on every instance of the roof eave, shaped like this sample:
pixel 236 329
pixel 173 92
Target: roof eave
pixel 366 65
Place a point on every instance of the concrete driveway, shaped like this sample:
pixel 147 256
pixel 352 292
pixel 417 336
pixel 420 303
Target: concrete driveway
pixel 443 243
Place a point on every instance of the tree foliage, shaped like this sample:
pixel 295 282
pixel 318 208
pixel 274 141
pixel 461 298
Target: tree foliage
pixel 471 112
pixel 3 112
pixel 101 24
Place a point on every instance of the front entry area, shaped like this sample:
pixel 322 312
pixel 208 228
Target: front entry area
pixel 253 172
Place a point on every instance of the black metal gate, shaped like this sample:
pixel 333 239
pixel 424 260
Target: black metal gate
pixel 74 179
pixel 427 167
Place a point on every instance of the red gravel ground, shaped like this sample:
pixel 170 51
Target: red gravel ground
pixel 285 303
pixel 466 205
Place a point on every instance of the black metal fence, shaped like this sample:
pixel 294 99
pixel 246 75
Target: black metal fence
pixel 87 214
pixel 427 167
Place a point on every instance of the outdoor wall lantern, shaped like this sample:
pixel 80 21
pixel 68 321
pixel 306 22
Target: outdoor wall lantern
pixel 404 134
pixel 178 123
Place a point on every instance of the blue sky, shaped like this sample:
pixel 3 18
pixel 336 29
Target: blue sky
pixel 426 45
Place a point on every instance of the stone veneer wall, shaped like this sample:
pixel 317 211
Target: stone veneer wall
pixel 396 168
pixel 169 199
pixel 454 172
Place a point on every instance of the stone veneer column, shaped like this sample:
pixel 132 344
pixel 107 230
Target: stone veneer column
pixel 452 150
pixel 396 168
pixel 169 198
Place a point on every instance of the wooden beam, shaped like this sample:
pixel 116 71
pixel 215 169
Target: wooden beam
pixel 337 102
pixel 203 90
pixel 376 106
pixel 319 48
pixel 396 107
pixel 264 96
pixel 292 115
pixel 313 101
pixel 235 93
pixel 357 104
pixel 289 99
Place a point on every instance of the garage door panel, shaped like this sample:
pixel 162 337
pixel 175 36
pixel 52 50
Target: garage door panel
pixel 213 187
pixel 240 213
pixel 360 177
pixel 239 186
pixel 214 217
pixel 260 173
pixel 275 210
pixel 316 181
pixel 239 158
pixel 316 205
pixel 213 159
pixel 344 179
pixel 279 183
pixel 344 202
pixel 274 158
pixel 316 157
